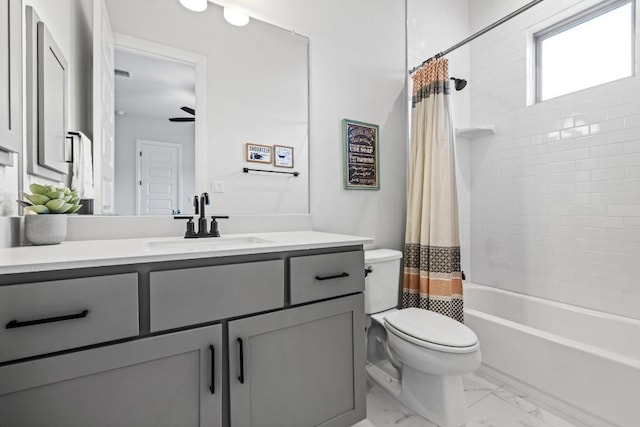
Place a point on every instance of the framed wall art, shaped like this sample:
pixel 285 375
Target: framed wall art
pixel 360 144
pixel 282 156
pixel 258 153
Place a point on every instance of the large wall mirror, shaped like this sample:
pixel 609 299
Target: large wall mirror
pixel 204 90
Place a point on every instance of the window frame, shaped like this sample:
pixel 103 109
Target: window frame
pixel 574 21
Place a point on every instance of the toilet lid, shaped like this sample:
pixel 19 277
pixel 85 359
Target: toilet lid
pixel 432 330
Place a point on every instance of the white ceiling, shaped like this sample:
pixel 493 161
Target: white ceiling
pixel 158 86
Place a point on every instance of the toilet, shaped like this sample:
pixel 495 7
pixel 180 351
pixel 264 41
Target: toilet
pixel 418 356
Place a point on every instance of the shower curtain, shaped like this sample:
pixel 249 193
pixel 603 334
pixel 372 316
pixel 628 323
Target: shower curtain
pixel 432 276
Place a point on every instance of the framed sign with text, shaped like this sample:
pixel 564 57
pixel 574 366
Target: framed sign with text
pixel 258 153
pixel 360 142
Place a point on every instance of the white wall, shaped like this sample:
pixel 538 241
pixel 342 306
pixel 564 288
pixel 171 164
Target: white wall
pixel 555 200
pixel 357 58
pixel 131 128
pixel 433 26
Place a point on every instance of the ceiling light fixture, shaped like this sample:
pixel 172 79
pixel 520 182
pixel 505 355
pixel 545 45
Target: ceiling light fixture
pixel 195 5
pixel 235 17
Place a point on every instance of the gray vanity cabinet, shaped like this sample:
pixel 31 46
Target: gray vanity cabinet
pixel 254 341
pixel 303 366
pixel 167 380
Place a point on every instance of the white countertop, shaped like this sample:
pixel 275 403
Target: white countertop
pixel 99 253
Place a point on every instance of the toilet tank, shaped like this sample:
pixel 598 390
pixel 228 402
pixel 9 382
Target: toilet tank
pixel 382 285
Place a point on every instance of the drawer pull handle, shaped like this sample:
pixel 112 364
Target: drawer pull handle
pixel 212 387
pixel 241 376
pixel 16 324
pixel 335 276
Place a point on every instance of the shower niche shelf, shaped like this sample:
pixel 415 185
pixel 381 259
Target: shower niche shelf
pixel 475 132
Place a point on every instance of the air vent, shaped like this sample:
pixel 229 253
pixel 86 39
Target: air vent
pixel 122 73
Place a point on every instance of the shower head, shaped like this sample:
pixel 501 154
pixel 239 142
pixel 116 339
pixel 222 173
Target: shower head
pixel 459 83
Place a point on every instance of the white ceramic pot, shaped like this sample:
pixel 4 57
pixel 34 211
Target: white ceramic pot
pixel 45 229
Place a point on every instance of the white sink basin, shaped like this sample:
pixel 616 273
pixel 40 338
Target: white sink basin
pixel 206 243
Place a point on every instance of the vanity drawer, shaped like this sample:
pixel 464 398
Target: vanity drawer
pixel 43 317
pixel 316 277
pixel 198 295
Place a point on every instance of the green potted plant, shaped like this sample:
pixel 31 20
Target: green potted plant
pixel 45 222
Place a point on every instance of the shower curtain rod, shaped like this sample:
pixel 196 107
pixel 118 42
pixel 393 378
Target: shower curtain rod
pixel 478 34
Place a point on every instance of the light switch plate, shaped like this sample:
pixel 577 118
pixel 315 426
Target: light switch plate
pixel 217 186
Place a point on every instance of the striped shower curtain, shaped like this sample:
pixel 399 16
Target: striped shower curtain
pixel 432 275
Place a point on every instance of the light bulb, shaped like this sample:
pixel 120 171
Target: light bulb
pixel 195 5
pixel 235 17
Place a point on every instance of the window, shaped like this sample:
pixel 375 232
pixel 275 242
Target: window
pixel 594 47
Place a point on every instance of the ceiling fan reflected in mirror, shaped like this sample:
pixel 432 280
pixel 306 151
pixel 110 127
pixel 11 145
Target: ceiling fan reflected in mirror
pixel 187 110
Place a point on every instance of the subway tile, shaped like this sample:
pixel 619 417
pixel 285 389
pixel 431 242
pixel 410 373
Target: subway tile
pixel 624 185
pixel 546 137
pixel 575 132
pixel 632 121
pixel 625 235
pixel 621 198
pixel 632 172
pixel 603 293
pixel 560 124
pixel 557 178
pixel 590 117
pixel 623 135
pixel 578 154
pixel 633 300
pixel 607 150
pixel 631 222
pixel 623 110
pixel 616 247
pixel 624 284
pixel 607 126
pixel 632 146
pixel 572 199
pixel 598 198
pixel 560 167
pixel 591 141
pixel 562 188
pixel 606 221
pixel 607 174
pixel 623 210
pixel 576 221
pixel 590 164
pixel 589 108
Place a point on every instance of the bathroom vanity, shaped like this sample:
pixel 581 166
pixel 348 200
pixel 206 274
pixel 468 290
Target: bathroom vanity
pixel 261 330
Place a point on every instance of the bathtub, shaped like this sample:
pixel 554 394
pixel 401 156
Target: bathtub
pixel 581 362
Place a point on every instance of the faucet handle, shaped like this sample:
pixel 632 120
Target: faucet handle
pixel 191 230
pixel 196 205
pixel 214 224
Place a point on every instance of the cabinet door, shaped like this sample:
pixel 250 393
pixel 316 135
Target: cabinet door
pixel 299 367
pixel 158 381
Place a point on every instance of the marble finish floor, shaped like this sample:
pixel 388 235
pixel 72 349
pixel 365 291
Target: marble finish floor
pixel 490 405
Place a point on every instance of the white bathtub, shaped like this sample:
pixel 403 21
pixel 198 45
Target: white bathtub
pixel 581 362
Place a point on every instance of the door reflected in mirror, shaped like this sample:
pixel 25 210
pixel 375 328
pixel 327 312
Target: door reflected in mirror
pixel 154 133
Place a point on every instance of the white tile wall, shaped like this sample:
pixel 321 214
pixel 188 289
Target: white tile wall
pixel 555 193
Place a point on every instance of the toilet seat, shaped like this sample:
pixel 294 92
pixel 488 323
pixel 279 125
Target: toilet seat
pixel 442 333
